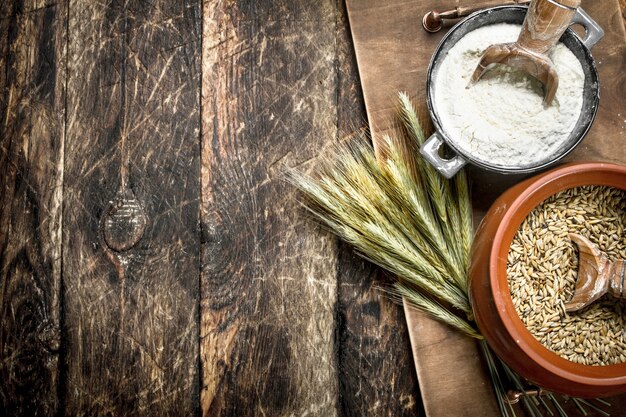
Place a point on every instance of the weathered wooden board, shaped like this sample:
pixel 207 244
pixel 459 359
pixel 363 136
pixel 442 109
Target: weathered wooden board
pixel 130 308
pixel 393 52
pixel 32 120
pixel 127 345
pixel 278 336
pixel 268 279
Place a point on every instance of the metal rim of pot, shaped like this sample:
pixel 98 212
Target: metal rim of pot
pixel 581 48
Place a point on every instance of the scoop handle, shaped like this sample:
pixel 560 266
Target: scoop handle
pixel 545 22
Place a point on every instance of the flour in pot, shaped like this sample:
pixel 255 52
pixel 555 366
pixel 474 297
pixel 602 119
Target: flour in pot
pixel 501 119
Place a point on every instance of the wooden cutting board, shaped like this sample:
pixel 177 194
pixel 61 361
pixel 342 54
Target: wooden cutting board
pixel 393 52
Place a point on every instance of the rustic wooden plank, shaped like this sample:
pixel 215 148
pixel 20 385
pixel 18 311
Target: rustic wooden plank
pixel 131 296
pixel 32 99
pixel 393 54
pixel 375 367
pixel 268 282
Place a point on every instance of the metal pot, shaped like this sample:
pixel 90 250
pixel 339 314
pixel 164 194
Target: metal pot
pixel 448 167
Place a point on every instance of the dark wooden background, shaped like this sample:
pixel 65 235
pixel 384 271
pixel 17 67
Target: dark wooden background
pixel 231 301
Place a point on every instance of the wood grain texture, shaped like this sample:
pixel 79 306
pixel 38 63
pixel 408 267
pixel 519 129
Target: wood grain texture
pixel 32 99
pixel 257 310
pixel 376 374
pixel 268 281
pixel 131 316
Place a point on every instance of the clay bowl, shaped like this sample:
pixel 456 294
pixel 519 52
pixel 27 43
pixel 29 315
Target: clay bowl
pixel 489 292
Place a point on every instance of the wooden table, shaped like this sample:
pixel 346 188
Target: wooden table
pixel 204 289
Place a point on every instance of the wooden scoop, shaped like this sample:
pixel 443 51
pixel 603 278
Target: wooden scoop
pixel 596 275
pixel 545 22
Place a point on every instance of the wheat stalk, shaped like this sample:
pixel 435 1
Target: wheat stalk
pixel 400 214
pixel 353 199
pixel 430 306
pixel 391 212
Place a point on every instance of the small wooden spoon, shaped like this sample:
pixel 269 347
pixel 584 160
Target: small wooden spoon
pixel 596 275
pixel 545 22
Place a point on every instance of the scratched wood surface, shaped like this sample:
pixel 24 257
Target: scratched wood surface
pixel 153 261
pixel 265 326
pixel 32 110
pixel 393 52
pixel 285 312
pixel 131 157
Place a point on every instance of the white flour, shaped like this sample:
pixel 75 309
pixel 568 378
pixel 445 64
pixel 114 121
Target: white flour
pixel 501 119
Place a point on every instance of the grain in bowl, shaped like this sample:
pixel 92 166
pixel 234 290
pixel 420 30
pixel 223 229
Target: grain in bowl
pixel 542 269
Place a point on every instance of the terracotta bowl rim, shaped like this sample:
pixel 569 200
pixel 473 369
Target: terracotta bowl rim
pixel 540 188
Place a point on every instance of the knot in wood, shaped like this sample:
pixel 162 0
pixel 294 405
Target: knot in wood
pixel 124 222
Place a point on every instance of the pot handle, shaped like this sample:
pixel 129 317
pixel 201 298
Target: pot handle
pixel 593 31
pixel 446 167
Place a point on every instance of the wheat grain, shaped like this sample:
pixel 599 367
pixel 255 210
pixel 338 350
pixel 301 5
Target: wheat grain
pixel 542 269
